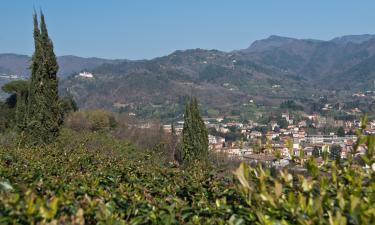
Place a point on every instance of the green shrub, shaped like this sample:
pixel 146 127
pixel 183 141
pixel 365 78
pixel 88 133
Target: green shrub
pixel 92 178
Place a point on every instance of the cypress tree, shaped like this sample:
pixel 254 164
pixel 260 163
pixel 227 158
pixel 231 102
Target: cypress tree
pixel 44 115
pixel 195 136
pixel 201 129
pixel 51 68
pixel 187 134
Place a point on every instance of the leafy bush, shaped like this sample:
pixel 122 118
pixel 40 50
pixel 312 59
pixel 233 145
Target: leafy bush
pixel 333 196
pixel 93 178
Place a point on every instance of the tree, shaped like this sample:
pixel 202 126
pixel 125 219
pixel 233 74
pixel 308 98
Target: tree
pixel 194 134
pixel 316 152
pixel 290 104
pixel 68 105
pixel 335 152
pixel 44 116
pixel 19 89
pixel 341 132
pixel 6 117
pixel 282 123
pixel 101 120
pixel 173 144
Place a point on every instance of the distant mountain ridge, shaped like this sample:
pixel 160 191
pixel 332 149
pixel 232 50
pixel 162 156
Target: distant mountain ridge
pixel 279 41
pixel 268 72
pixel 14 64
pixel 356 39
pixel 314 59
pixel 19 64
pixel 273 41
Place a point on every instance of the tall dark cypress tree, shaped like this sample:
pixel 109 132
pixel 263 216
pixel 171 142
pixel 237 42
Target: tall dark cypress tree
pixel 201 130
pixel 43 106
pixel 188 134
pixel 51 68
pixel 195 136
pixel 34 118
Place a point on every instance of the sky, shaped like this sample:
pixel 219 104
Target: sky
pixel 144 29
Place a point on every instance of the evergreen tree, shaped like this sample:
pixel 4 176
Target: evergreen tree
pixel 195 136
pixel 335 152
pixel 19 89
pixel 341 132
pixel 68 105
pixel 44 115
pixel 316 152
pixel 51 69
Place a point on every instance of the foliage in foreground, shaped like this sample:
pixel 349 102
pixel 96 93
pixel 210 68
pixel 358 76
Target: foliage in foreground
pixel 93 178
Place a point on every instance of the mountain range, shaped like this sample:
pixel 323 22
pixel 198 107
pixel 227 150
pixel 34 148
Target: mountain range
pixel 268 71
pixel 19 64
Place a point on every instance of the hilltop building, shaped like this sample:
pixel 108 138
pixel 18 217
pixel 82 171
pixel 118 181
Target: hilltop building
pixel 86 74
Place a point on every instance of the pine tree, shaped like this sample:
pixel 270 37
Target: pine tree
pixel 44 115
pixel 195 136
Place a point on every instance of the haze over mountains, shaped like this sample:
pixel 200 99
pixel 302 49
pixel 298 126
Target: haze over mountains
pixel 270 70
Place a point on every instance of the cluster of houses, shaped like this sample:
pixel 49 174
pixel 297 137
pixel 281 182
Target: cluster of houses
pixel 280 145
pixel 364 94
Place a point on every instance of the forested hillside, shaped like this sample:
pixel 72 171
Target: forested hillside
pixel 270 71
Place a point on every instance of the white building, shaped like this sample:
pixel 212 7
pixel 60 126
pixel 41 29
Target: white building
pixel 86 74
pixel 215 140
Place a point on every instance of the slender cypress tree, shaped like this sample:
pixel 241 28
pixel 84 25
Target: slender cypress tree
pixel 195 136
pixel 188 134
pixel 51 68
pixel 201 129
pixel 44 116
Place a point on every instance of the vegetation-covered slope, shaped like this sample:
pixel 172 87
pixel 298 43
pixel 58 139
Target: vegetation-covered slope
pixel 90 178
pixel 270 71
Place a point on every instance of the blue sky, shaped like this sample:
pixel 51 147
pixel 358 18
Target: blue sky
pixel 148 28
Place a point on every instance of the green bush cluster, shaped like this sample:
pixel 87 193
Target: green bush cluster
pixel 335 196
pixel 95 178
